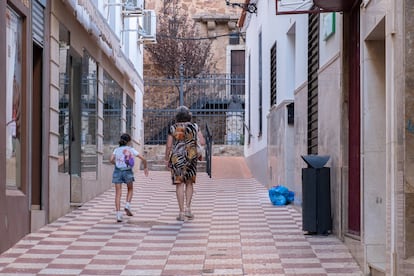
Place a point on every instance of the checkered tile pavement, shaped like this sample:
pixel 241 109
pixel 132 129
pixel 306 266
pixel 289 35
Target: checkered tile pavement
pixel 236 231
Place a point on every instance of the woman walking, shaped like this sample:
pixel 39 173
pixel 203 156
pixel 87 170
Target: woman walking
pixel 181 156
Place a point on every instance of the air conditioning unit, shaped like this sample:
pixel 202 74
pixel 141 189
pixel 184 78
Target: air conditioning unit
pixel 132 7
pixel 148 32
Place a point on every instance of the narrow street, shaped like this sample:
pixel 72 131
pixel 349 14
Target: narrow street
pixel 236 231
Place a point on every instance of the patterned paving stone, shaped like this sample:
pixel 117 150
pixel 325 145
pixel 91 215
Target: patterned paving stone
pixel 236 231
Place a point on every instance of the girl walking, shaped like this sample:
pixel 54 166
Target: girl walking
pixel 123 159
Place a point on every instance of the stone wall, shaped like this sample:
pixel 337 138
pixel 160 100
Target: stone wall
pixel 155 155
pixel 157 152
pixel 214 19
pixel 409 132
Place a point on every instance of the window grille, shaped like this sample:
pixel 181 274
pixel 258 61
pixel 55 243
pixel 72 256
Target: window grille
pixel 273 75
pixel 112 112
pixel 313 65
pixel 38 23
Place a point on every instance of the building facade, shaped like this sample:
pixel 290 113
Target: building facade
pixel 214 21
pixel 215 90
pixel 72 72
pixel 344 67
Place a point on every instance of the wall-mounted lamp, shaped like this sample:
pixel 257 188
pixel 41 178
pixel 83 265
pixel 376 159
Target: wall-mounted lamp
pixel 251 7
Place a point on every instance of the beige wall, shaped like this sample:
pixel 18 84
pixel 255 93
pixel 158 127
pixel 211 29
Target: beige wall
pixel 330 134
pixel 373 144
pixel 387 108
pixel 280 148
pixel 61 185
pixel 59 188
pixel 258 166
pixel 300 138
pixel 330 130
pixel 409 138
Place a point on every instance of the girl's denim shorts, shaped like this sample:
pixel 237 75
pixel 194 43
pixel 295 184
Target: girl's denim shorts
pixel 123 176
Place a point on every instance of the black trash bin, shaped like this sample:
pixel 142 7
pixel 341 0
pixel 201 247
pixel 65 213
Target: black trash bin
pixel 316 195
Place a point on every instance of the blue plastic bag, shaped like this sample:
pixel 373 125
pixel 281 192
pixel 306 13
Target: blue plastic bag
pixel 280 195
pixel 290 197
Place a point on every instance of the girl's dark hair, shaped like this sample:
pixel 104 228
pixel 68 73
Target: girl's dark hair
pixel 125 139
pixel 183 114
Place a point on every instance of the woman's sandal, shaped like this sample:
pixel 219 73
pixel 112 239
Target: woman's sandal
pixel 181 216
pixel 189 215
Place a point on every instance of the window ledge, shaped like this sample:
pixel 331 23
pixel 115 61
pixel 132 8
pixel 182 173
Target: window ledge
pixel 14 192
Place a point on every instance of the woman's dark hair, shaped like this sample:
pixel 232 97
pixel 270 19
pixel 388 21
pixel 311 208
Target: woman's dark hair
pixel 125 139
pixel 183 114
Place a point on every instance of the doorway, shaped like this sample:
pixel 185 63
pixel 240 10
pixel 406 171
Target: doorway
pixel 37 127
pixel 354 120
pixel 75 146
pixel 374 146
pixel 38 208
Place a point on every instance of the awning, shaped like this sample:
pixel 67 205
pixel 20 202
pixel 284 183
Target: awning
pixel 336 5
pixel 314 6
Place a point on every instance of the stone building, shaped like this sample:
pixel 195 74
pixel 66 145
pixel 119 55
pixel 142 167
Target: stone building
pixel 217 22
pixel 214 19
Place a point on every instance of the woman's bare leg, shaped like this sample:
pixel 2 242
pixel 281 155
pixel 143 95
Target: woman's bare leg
pixel 189 190
pixel 188 194
pixel 179 189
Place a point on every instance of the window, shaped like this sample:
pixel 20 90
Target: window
pixel 89 127
pixel 234 39
pixel 237 72
pixel 273 75
pixel 112 113
pixel 64 87
pixel 14 29
pixel 129 114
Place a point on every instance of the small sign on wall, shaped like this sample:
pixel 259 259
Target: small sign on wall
pixel 328 25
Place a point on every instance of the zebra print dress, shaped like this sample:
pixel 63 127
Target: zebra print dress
pixel 183 156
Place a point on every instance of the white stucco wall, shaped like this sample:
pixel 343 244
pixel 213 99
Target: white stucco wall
pixel 289 32
pixel 331 130
pixel 280 148
pixel 330 45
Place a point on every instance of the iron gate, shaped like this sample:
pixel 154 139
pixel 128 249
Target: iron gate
pixel 216 101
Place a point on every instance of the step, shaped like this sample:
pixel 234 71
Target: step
pixel 377 269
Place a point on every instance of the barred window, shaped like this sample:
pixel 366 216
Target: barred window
pixel 273 75
pixel 112 113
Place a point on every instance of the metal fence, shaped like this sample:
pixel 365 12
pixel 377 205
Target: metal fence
pixel 216 101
